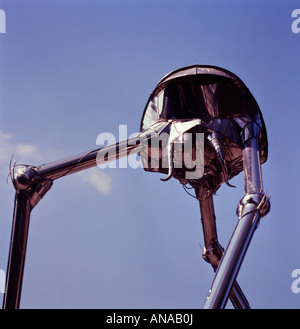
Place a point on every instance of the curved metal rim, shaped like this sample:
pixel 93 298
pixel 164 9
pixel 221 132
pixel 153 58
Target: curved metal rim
pixel 223 72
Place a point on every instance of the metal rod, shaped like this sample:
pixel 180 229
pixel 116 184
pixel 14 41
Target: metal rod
pixel 17 252
pixel 208 220
pixel 237 297
pixel 232 260
pixel 241 237
pixel 251 162
pixel 58 169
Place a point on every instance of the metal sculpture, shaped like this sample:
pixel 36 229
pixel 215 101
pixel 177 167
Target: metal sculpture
pixel 192 101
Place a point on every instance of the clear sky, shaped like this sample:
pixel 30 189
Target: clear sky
pixel 121 238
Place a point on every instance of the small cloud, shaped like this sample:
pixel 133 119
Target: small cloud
pixel 98 179
pixel 20 152
pixel 8 149
pixel 95 177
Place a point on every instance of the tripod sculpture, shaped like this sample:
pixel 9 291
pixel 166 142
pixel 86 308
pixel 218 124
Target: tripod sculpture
pixel 203 109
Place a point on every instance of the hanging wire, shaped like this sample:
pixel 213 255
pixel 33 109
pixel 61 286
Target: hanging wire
pixel 11 172
pixel 188 188
pixel 12 167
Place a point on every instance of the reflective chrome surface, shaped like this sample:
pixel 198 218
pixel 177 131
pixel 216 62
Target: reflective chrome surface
pixel 250 209
pixel 17 251
pixel 235 140
pixel 192 101
pixel 213 251
pixel 57 169
pixel 225 110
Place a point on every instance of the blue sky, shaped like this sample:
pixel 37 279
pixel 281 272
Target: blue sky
pixel 70 70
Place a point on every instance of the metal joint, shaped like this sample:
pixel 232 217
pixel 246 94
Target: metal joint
pixel 250 130
pixel 35 187
pixel 260 200
pixel 213 253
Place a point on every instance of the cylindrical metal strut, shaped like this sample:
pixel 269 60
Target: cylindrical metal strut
pixel 249 217
pixel 17 252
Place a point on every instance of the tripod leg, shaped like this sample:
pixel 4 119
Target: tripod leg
pixel 253 205
pixel 17 252
pixel 213 250
pixel 30 188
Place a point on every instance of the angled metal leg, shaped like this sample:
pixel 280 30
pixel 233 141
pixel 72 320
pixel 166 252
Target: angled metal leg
pixel 213 251
pixel 17 253
pixel 253 205
pixel 30 188
pixel 31 184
